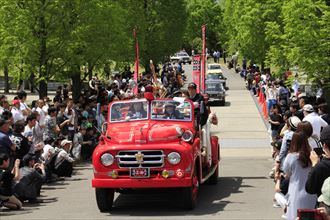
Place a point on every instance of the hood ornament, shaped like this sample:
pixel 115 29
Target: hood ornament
pixel 139 157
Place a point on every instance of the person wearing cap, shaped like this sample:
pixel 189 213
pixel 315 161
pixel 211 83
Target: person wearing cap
pixel 63 165
pixel 171 112
pixel 292 124
pixel 15 110
pixel 320 166
pixel 316 121
pixel 199 104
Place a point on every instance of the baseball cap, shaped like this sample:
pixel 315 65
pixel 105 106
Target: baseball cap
pixel 64 142
pixel 294 121
pixel 308 108
pixel 192 85
pixel 15 102
pixel 28 157
pixel 325 197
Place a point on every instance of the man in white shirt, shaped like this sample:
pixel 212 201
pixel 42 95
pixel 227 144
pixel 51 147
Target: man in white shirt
pixel 16 112
pixel 42 113
pixel 316 121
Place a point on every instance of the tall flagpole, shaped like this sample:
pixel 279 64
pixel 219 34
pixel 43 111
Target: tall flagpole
pixel 136 67
pixel 203 59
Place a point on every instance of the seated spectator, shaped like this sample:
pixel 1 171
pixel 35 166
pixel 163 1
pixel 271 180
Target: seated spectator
pixel 281 190
pixel 32 176
pixel 30 123
pixel 63 165
pixel 6 145
pixel 22 144
pixel 136 111
pixel 7 177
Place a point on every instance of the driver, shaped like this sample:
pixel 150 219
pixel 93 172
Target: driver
pixel 171 112
pixel 137 111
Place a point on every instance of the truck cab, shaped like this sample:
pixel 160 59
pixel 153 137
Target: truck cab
pixel 152 144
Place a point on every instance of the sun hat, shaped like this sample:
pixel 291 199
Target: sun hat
pixel 294 121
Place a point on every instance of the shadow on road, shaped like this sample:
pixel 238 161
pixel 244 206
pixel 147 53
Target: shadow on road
pixel 212 199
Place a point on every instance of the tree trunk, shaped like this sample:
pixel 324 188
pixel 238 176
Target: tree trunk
pixel 43 89
pixel 76 85
pixel 90 71
pixel 326 92
pixel 31 79
pixel 6 75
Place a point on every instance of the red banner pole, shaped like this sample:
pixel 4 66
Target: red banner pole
pixel 203 59
pixel 136 67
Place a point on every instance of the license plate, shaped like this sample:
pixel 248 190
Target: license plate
pixel 139 172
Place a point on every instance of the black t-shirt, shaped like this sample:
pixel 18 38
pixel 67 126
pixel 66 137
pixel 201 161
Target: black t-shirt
pixel 275 118
pixel 23 146
pixel 59 120
pixel 317 175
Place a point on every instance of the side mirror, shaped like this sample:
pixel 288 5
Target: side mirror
pixel 104 128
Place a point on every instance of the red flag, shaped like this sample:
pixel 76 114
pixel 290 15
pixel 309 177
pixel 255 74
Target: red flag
pixel 203 59
pixel 136 67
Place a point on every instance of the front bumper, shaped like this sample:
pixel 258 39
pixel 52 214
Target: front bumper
pixel 157 182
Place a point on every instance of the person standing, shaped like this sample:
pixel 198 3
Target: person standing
pixel 297 165
pixel 199 104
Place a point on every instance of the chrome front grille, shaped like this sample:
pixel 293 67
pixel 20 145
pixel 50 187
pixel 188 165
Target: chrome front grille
pixel 142 158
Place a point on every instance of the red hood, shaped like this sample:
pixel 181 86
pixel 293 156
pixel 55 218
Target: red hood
pixel 143 132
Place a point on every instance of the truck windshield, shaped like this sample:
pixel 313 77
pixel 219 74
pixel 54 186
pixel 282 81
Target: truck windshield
pixel 214 67
pixel 171 110
pixel 129 111
pixel 214 86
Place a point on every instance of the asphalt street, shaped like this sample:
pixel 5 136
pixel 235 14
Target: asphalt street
pixel 244 190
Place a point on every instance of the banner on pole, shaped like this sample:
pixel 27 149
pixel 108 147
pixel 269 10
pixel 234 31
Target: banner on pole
pixel 203 62
pixel 197 71
pixel 136 66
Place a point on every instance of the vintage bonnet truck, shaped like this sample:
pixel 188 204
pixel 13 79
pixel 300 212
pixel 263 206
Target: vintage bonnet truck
pixel 150 143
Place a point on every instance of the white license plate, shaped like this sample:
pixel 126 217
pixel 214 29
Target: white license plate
pixel 139 172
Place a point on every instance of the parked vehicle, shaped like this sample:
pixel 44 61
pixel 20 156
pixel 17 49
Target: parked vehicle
pixel 181 56
pixel 150 143
pixel 216 91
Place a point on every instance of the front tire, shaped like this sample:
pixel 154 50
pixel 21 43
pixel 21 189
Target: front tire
pixel 104 198
pixel 189 194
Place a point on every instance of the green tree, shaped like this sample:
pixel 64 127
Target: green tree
pixel 207 12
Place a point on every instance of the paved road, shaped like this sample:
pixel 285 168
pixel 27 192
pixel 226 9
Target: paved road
pixel 243 191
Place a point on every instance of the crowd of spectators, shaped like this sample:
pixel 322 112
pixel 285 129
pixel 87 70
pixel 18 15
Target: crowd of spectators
pixel 300 139
pixel 41 140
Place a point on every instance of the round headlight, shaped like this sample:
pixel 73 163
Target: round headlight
pixel 107 159
pixel 187 136
pixel 174 158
